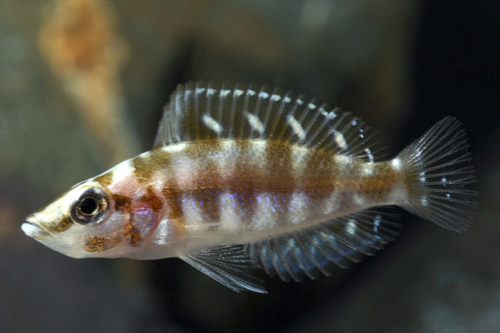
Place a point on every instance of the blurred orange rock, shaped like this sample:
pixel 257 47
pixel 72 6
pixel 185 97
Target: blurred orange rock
pixel 80 41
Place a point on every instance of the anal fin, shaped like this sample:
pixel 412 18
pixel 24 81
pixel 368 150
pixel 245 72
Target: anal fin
pixel 312 251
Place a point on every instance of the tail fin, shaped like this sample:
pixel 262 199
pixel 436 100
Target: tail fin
pixel 437 166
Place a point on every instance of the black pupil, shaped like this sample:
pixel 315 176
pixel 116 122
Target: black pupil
pixel 88 206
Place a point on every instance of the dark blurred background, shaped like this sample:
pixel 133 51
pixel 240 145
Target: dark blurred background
pixel 82 85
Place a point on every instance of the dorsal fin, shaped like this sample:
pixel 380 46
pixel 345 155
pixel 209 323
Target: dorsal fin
pixel 203 111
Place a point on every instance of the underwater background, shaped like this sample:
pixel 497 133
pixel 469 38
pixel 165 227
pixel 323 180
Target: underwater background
pixel 82 87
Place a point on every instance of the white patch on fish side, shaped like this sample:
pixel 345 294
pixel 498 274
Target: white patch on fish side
pixel 332 203
pixel 193 215
pixel 367 170
pixel 251 92
pixel 340 140
pixel 296 127
pixel 238 92
pixel 341 160
pixel 212 124
pixel 299 159
pixel 255 123
pixel 396 164
pixel 122 171
pixel 186 170
pixel 258 151
pixel 358 199
pixel 224 92
pixel 298 208
pixel 263 216
pixel 311 106
pixel 287 99
pixel 226 158
pixel 230 218
pixel 160 178
pixel 275 98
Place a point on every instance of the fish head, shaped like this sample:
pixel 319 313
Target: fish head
pixel 85 222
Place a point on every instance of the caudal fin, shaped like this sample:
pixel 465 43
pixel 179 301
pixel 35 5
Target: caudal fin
pixel 437 167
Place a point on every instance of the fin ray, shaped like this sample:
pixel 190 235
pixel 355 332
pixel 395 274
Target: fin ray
pixel 318 249
pixel 437 167
pixel 227 265
pixel 199 110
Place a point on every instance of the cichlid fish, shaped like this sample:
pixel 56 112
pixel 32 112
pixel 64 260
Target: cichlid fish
pixel 243 177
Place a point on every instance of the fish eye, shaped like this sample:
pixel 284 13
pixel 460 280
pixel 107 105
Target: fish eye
pixel 91 207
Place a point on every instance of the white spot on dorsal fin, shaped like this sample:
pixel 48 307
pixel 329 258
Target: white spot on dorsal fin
pixel 340 140
pixel 287 99
pixel 250 92
pixel 238 92
pixel 224 92
pixel 255 123
pixel 369 153
pixel 275 97
pixel 211 91
pixel 311 106
pixel 263 94
pixel 296 127
pixel 212 124
pixel 299 101
pixel 330 115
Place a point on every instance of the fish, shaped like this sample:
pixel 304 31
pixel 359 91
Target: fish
pixel 243 177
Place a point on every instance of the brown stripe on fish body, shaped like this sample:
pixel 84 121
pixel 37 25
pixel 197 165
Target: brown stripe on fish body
pixel 366 184
pixel 105 179
pixel 148 164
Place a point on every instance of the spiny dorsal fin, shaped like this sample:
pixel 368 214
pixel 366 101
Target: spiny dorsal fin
pixel 319 249
pixel 204 111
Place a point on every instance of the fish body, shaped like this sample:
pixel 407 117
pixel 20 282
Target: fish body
pixel 242 178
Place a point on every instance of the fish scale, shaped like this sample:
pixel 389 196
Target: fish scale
pixel 247 177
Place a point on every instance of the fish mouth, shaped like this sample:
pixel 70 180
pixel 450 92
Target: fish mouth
pixel 33 229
